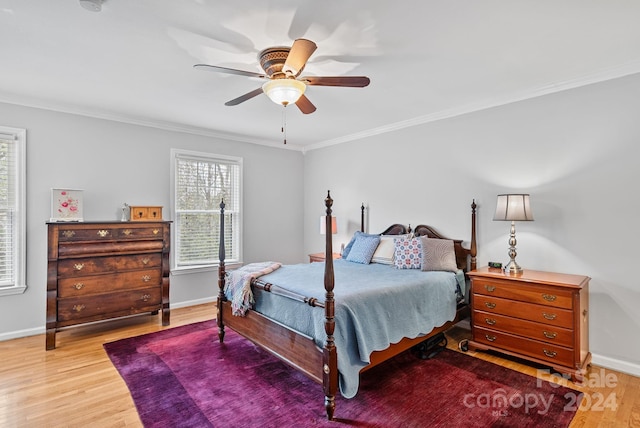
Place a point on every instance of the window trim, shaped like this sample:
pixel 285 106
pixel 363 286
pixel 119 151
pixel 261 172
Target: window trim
pixel 175 154
pixel 20 250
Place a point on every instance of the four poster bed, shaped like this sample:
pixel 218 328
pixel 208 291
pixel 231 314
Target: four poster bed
pixel 372 312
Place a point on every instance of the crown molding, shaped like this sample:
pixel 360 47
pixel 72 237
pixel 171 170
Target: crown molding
pixel 626 69
pixel 136 120
pixel 611 73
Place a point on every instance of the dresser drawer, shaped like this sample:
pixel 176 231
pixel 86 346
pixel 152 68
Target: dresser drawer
pixel 112 304
pixel 99 249
pixel 109 232
pixel 524 292
pixel 533 330
pixel 533 348
pixel 96 284
pixel 96 265
pixel 528 311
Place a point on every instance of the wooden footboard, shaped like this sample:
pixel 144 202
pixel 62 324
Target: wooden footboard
pixel 300 351
pixel 295 349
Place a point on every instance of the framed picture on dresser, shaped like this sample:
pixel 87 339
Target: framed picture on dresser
pixel 66 205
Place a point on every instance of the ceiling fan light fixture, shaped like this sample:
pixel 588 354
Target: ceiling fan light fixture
pixel 284 91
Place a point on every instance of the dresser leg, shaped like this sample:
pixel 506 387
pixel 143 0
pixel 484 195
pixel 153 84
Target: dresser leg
pixel 165 316
pixel 51 339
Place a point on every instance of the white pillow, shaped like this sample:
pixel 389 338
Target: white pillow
pixel 386 249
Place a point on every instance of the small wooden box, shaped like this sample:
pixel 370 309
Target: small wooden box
pixel 145 213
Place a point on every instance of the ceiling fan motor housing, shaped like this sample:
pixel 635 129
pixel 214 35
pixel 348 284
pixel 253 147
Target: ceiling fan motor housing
pixel 272 60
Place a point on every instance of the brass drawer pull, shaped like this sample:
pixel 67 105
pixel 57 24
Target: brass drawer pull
pixel 156 231
pixel 549 317
pixel 78 308
pixel 126 232
pixel 68 233
pixel 78 285
pixel 549 297
pixel 102 233
pixel 78 266
pixel 490 288
pixel 490 305
pixel 145 297
pixel 490 321
pixel 490 338
pixel 550 334
pixel 146 261
pixel 550 354
pixel 146 278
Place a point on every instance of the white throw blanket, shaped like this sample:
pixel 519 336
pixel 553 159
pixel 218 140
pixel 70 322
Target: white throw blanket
pixel 239 284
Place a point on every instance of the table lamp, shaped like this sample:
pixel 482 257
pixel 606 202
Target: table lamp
pixel 513 207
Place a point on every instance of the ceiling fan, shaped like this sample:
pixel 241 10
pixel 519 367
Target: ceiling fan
pixel 282 67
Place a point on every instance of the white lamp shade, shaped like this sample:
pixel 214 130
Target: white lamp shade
pixel 323 225
pixel 284 91
pixel 513 207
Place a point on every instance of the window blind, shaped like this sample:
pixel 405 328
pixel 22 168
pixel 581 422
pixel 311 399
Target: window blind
pixel 200 184
pixel 11 215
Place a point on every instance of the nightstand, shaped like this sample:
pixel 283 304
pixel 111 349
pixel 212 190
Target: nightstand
pixel 319 257
pixel 539 316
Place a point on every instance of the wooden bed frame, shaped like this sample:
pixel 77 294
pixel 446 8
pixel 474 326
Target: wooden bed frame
pixel 300 351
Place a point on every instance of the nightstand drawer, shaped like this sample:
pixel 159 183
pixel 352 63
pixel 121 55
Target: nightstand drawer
pixel 524 293
pixel 527 311
pixel 533 348
pixel 533 330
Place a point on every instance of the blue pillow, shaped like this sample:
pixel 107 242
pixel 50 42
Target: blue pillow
pixel 363 248
pixel 347 249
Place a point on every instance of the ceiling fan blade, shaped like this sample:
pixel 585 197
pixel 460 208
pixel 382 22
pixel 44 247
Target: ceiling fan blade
pixel 228 70
pixel 244 97
pixel 348 81
pixel 298 56
pixel 305 105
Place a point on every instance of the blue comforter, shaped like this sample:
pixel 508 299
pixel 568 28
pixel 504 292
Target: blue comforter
pixel 375 305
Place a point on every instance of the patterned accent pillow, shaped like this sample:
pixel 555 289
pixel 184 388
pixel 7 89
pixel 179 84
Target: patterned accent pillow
pixel 438 254
pixel 347 249
pixel 363 248
pixel 408 253
pixel 386 249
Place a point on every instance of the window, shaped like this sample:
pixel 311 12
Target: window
pixel 12 211
pixel 200 182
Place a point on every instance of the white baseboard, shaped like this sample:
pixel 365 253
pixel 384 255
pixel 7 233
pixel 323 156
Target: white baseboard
pixel 615 364
pixel 17 334
pixel 21 333
pixel 194 302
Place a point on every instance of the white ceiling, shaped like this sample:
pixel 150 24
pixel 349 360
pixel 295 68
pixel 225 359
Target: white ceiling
pixel 427 59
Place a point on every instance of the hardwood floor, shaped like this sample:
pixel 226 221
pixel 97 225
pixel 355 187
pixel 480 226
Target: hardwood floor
pixel 76 385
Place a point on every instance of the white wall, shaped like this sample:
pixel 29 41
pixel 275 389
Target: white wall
pixel 116 162
pixel 575 152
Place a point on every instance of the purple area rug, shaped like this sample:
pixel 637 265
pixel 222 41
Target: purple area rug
pixel 183 377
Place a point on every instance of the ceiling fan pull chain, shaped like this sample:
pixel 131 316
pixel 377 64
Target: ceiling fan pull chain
pixel 283 129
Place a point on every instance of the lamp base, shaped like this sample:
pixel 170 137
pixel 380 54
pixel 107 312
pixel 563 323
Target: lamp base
pixel 513 268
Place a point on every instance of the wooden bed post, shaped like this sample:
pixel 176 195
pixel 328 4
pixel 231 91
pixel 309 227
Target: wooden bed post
pixel 362 218
pixel 474 249
pixel 221 274
pixel 329 352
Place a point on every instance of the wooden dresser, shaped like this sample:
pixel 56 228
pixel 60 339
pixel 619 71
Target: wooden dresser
pixel 539 316
pixel 102 270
